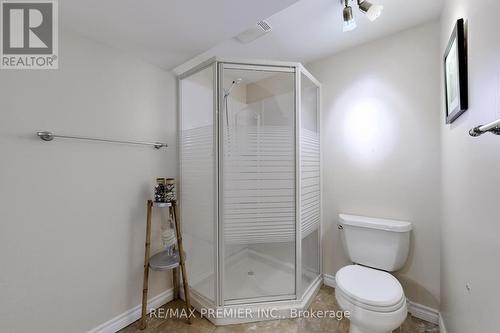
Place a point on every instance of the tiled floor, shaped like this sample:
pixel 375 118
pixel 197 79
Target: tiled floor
pixel 325 300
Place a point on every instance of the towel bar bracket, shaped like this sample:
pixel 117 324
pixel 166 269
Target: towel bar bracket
pixel 493 128
pixel 476 131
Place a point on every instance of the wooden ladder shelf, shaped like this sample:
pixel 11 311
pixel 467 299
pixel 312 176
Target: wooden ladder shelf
pixel 174 212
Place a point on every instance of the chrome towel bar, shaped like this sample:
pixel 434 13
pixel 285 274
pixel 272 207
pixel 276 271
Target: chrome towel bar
pixel 49 136
pixel 493 127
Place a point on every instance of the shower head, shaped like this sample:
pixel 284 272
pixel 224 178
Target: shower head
pixel 234 83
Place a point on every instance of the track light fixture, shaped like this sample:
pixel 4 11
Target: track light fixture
pixel 349 22
pixel 371 11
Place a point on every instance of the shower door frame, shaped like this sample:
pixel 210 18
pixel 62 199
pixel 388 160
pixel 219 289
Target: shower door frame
pixel 218 67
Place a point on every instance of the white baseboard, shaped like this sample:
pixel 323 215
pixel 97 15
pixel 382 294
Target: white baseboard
pixel 423 312
pixel 442 327
pixel 329 280
pixel 417 310
pixel 128 317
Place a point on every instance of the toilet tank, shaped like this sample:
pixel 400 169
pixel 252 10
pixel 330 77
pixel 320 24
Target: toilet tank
pixel 375 242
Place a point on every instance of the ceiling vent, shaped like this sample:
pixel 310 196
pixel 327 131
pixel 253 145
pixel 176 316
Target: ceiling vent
pixel 259 30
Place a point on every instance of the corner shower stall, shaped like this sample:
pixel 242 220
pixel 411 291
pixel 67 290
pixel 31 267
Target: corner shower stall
pixel 249 148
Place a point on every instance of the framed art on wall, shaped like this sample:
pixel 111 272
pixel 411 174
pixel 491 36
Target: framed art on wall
pixel 455 73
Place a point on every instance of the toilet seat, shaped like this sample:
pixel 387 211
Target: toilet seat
pixel 370 289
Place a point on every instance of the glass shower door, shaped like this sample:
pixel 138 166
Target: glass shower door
pixel 258 174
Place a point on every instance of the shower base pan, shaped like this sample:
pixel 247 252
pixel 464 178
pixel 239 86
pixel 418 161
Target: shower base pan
pixel 239 283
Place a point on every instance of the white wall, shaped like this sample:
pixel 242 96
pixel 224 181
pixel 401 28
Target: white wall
pixel 471 180
pixel 380 132
pixel 73 213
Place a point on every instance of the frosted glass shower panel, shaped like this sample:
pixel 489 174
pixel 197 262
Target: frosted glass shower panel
pixel 198 181
pixel 310 181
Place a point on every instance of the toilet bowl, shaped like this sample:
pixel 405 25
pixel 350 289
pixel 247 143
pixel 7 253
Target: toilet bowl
pixel 373 297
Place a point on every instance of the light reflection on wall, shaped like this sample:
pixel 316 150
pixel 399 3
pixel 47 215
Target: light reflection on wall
pixel 369 129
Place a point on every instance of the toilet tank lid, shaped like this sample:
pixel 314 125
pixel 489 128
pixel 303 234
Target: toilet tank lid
pixel 375 223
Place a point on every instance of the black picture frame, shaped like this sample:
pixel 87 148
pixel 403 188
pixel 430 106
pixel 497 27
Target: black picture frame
pixel 455 73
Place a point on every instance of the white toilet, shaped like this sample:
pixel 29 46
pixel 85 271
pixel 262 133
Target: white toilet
pixel 374 298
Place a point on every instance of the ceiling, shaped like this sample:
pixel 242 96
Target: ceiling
pixel 164 32
pixel 312 29
pixel 168 33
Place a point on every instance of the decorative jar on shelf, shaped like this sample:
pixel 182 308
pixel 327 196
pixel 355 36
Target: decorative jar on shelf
pixel 160 193
pixel 170 195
